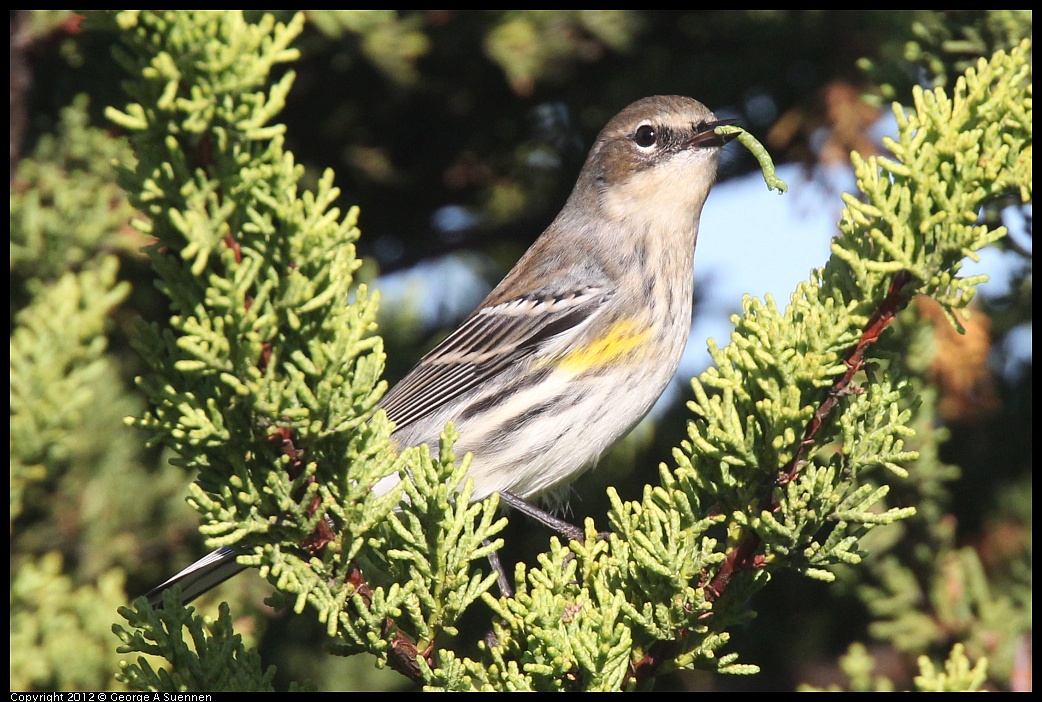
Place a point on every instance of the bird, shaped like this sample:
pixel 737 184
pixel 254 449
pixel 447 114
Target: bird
pixel 576 344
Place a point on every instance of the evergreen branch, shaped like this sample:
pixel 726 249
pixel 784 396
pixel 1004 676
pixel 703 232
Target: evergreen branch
pixel 211 657
pixel 882 240
pixel 268 379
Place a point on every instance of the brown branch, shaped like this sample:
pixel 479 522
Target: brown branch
pixel 744 556
pixel 403 654
pixel 658 653
pixel 896 300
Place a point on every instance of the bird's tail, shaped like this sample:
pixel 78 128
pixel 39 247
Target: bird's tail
pixel 205 574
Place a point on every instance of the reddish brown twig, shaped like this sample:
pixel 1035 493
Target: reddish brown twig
pixel 744 556
pixel 895 301
pixel 403 652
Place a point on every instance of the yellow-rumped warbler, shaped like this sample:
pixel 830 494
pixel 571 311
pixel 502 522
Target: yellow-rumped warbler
pixel 576 344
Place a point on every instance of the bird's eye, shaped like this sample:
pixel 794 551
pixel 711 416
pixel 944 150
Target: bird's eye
pixel 645 136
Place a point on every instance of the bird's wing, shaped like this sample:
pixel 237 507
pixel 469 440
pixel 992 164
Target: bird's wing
pixel 489 340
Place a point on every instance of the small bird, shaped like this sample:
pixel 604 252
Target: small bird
pixel 570 351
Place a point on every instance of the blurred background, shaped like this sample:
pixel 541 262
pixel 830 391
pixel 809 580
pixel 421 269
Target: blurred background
pixel 459 136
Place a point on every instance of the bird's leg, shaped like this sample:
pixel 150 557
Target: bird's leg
pixel 568 531
pixel 503 581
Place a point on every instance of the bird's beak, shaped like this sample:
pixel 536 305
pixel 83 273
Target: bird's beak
pixel 706 136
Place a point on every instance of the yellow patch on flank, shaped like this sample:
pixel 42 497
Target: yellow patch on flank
pixel 615 344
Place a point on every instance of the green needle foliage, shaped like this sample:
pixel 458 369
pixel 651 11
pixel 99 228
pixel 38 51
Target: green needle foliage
pixel 70 544
pixel 960 674
pixel 209 655
pixel 266 380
